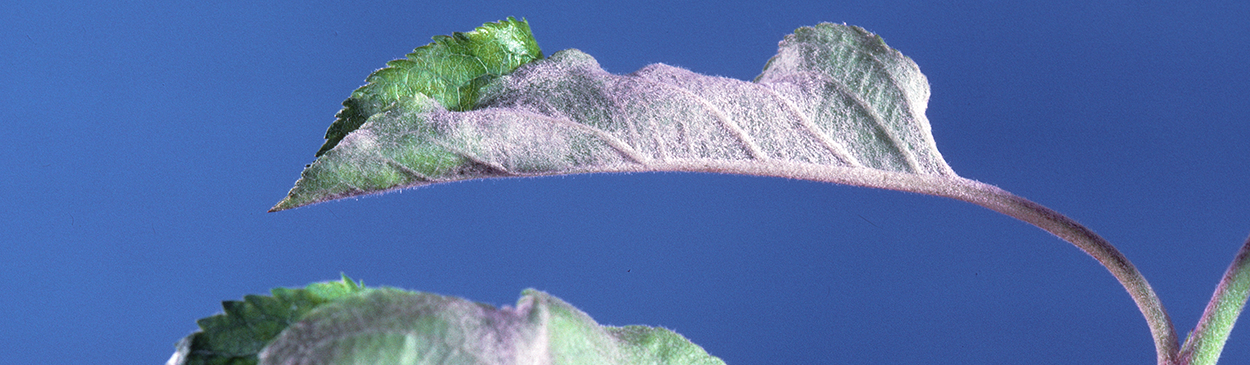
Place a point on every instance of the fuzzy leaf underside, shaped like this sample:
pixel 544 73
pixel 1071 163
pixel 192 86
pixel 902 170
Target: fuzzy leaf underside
pixel 451 70
pixel 236 336
pixel 390 326
pixel 834 95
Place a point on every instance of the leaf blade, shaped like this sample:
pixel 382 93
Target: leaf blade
pixel 564 114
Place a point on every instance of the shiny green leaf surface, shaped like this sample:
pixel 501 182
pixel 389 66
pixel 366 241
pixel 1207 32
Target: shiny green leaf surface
pixel 449 70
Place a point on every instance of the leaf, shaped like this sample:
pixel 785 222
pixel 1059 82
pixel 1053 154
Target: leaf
pixel 390 326
pixel 450 70
pixel 237 335
pixel 835 99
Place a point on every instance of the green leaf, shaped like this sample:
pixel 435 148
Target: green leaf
pixel 390 326
pixel 242 331
pixel 450 70
pixel 834 98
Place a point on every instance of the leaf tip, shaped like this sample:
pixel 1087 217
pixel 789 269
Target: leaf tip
pixel 281 206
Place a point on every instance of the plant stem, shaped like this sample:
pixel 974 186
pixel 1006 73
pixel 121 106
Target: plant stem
pixel 988 196
pixel 1069 230
pixel 1208 338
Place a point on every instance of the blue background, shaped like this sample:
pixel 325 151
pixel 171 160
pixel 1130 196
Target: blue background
pixel 143 142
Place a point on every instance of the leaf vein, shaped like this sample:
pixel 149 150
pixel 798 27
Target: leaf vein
pixel 738 132
pixel 837 149
pixel 405 170
pixel 611 140
pixel 908 155
pixel 475 159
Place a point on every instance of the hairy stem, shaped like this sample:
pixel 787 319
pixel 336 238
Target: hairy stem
pixel 1069 230
pixel 987 196
pixel 1208 338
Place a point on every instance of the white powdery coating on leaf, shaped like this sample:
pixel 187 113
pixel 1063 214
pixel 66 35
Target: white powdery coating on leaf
pixel 886 87
pixel 800 111
pixel 833 96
